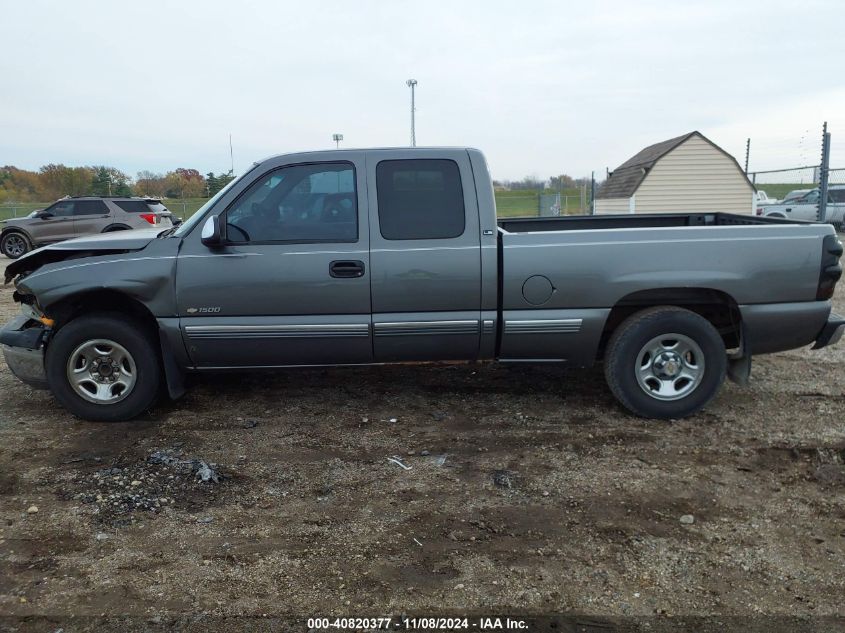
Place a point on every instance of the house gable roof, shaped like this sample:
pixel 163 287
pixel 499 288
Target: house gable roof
pixel 624 181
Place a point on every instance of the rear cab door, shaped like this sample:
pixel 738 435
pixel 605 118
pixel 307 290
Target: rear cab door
pixel 425 255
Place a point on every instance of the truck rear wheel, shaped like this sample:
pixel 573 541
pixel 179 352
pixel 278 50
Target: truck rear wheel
pixel 665 362
pixel 104 367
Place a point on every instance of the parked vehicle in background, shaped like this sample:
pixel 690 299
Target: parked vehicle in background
pixel 806 207
pixel 74 217
pixel 763 198
pixel 356 257
pixel 795 194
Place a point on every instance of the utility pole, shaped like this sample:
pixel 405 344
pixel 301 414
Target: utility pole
pixel 747 152
pixel 824 172
pixel 231 156
pixel 337 138
pixel 412 83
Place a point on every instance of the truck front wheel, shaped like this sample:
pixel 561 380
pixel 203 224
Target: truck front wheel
pixel 665 362
pixel 103 367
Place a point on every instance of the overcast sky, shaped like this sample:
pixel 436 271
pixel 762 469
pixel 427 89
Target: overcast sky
pixel 541 87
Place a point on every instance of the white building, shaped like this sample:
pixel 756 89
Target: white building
pixel 686 174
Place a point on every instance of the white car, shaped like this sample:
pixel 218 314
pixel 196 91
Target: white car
pixel 763 199
pixel 805 206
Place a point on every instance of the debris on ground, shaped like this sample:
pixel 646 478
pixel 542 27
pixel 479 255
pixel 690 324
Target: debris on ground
pixel 32 510
pixel 687 519
pixel 203 470
pixel 160 481
pixel 503 478
pixel 396 460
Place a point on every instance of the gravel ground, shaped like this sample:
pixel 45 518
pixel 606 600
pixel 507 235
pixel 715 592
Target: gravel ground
pixel 523 490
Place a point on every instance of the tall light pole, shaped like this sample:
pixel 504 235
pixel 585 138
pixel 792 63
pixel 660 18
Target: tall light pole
pixel 411 83
pixel 337 138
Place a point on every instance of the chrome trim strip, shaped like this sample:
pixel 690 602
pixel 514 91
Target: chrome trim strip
pixel 488 326
pixel 421 328
pixel 334 330
pixel 532 360
pixel 542 326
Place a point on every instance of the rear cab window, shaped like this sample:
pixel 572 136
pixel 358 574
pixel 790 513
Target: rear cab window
pixel 420 199
pixel 837 196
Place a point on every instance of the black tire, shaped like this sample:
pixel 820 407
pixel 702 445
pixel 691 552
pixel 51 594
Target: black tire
pixel 628 344
pixel 10 240
pixel 134 337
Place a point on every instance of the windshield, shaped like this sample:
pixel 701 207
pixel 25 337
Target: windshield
pixel 192 221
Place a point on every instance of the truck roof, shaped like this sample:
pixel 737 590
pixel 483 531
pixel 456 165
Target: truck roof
pixel 321 152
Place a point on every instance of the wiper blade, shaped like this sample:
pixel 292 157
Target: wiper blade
pixel 168 232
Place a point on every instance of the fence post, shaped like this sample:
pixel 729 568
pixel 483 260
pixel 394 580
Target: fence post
pixel 824 168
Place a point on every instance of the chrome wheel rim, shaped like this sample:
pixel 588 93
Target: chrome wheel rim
pixel 15 245
pixel 101 371
pixel 669 367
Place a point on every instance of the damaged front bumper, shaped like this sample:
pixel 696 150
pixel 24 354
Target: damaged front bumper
pixel 832 332
pixel 22 341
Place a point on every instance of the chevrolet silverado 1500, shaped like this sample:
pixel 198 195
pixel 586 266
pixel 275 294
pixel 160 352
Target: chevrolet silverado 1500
pixel 353 257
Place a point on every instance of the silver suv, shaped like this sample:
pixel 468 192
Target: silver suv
pixel 72 217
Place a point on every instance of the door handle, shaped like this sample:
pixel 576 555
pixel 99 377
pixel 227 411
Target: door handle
pixel 347 269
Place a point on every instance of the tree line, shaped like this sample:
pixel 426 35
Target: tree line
pixel 52 181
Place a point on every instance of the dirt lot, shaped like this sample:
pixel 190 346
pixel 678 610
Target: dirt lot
pixel 529 490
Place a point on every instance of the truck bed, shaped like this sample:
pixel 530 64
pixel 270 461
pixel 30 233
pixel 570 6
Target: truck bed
pixel 560 277
pixel 633 221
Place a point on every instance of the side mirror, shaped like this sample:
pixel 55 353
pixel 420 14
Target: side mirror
pixel 213 233
pixel 43 215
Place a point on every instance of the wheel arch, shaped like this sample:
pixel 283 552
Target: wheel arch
pixel 17 229
pixel 116 226
pixel 109 300
pixel 717 306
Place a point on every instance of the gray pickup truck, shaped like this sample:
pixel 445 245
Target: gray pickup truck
pixel 354 257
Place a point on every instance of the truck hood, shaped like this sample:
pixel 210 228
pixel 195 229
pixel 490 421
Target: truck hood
pixel 90 245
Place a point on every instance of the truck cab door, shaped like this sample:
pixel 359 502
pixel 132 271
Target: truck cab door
pixel 290 284
pixel 425 254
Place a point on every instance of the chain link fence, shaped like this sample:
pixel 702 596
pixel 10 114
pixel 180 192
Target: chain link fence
pixel 545 203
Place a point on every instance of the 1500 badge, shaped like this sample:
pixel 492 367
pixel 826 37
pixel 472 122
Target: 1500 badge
pixel 209 310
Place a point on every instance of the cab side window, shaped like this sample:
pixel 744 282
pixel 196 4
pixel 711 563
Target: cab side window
pixel 420 199
pixel 300 203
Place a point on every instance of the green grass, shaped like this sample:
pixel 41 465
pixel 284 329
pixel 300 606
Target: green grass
pixel 779 190
pixel 184 207
pixel 19 209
